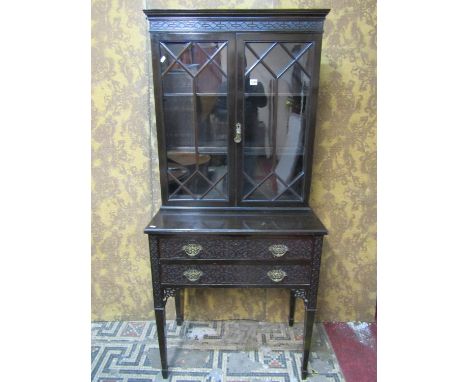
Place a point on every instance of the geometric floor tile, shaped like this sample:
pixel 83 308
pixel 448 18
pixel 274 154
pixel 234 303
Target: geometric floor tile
pixel 216 351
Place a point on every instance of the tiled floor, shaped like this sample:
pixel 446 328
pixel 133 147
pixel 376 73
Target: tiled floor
pixel 218 351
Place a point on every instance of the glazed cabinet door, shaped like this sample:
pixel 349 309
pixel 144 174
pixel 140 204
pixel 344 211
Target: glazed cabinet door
pixel 194 81
pixel 277 90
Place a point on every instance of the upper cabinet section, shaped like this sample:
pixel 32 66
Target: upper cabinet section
pixel 235 95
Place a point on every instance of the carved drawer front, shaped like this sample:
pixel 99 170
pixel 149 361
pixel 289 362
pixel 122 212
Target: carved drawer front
pixel 219 274
pixel 192 248
pixel 266 248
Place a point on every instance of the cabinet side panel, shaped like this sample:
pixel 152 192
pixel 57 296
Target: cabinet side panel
pixel 155 53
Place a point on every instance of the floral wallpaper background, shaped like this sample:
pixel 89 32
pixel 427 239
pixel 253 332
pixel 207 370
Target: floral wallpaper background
pixel 125 178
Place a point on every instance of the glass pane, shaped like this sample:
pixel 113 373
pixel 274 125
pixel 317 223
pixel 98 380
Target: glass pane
pixel 289 140
pixel 258 79
pixel 265 191
pixel 182 63
pixel 211 79
pixel 259 82
pixel 194 81
pixel 199 177
pixel 277 59
pixel 212 123
pixel 275 113
pixel 289 195
pixel 298 185
pixel 177 82
pixel 258 160
pixel 177 174
pixel 174 50
pixel 178 121
pixel 294 82
pixel 301 51
pixel 212 76
pixel 169 53
pixel 259 49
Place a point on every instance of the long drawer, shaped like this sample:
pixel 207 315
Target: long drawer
pixel 233 248
pixel 192 248
pixel 225 274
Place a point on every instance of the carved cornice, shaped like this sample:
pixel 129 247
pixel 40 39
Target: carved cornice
pixel 170 24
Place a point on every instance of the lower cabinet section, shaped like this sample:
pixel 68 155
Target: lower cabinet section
pixel 227 274
pixel 236 258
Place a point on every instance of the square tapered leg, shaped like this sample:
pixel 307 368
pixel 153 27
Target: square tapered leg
pixel 160 325
pixel 308 327
pixel 292 307
pixel 179 307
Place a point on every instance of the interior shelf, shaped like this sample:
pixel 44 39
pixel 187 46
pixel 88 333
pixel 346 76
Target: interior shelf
pixel 197 94
pixel 201 150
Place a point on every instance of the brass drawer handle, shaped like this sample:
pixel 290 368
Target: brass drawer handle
pixel 277 275
pixel 192 249
pixel 193 274
pixel 278 250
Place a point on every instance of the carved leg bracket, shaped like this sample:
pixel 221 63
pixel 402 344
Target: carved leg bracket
pixel 179 306
pixel 302 294
pixel 169 292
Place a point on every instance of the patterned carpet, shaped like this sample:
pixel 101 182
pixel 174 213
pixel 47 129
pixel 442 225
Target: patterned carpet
pixel 218 351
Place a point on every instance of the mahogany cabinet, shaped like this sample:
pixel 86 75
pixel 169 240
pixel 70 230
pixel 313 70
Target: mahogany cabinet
pixel 236 99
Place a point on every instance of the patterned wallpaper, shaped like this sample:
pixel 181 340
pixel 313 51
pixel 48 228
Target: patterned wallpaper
pixel 125 181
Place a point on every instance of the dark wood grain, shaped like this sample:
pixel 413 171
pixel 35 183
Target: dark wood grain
pixel 236 222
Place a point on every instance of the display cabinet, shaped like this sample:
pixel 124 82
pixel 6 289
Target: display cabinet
pixel 236 98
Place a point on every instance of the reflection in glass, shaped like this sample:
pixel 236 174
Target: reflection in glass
pixel 277 83
pixel 213 122
pixel 178 121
